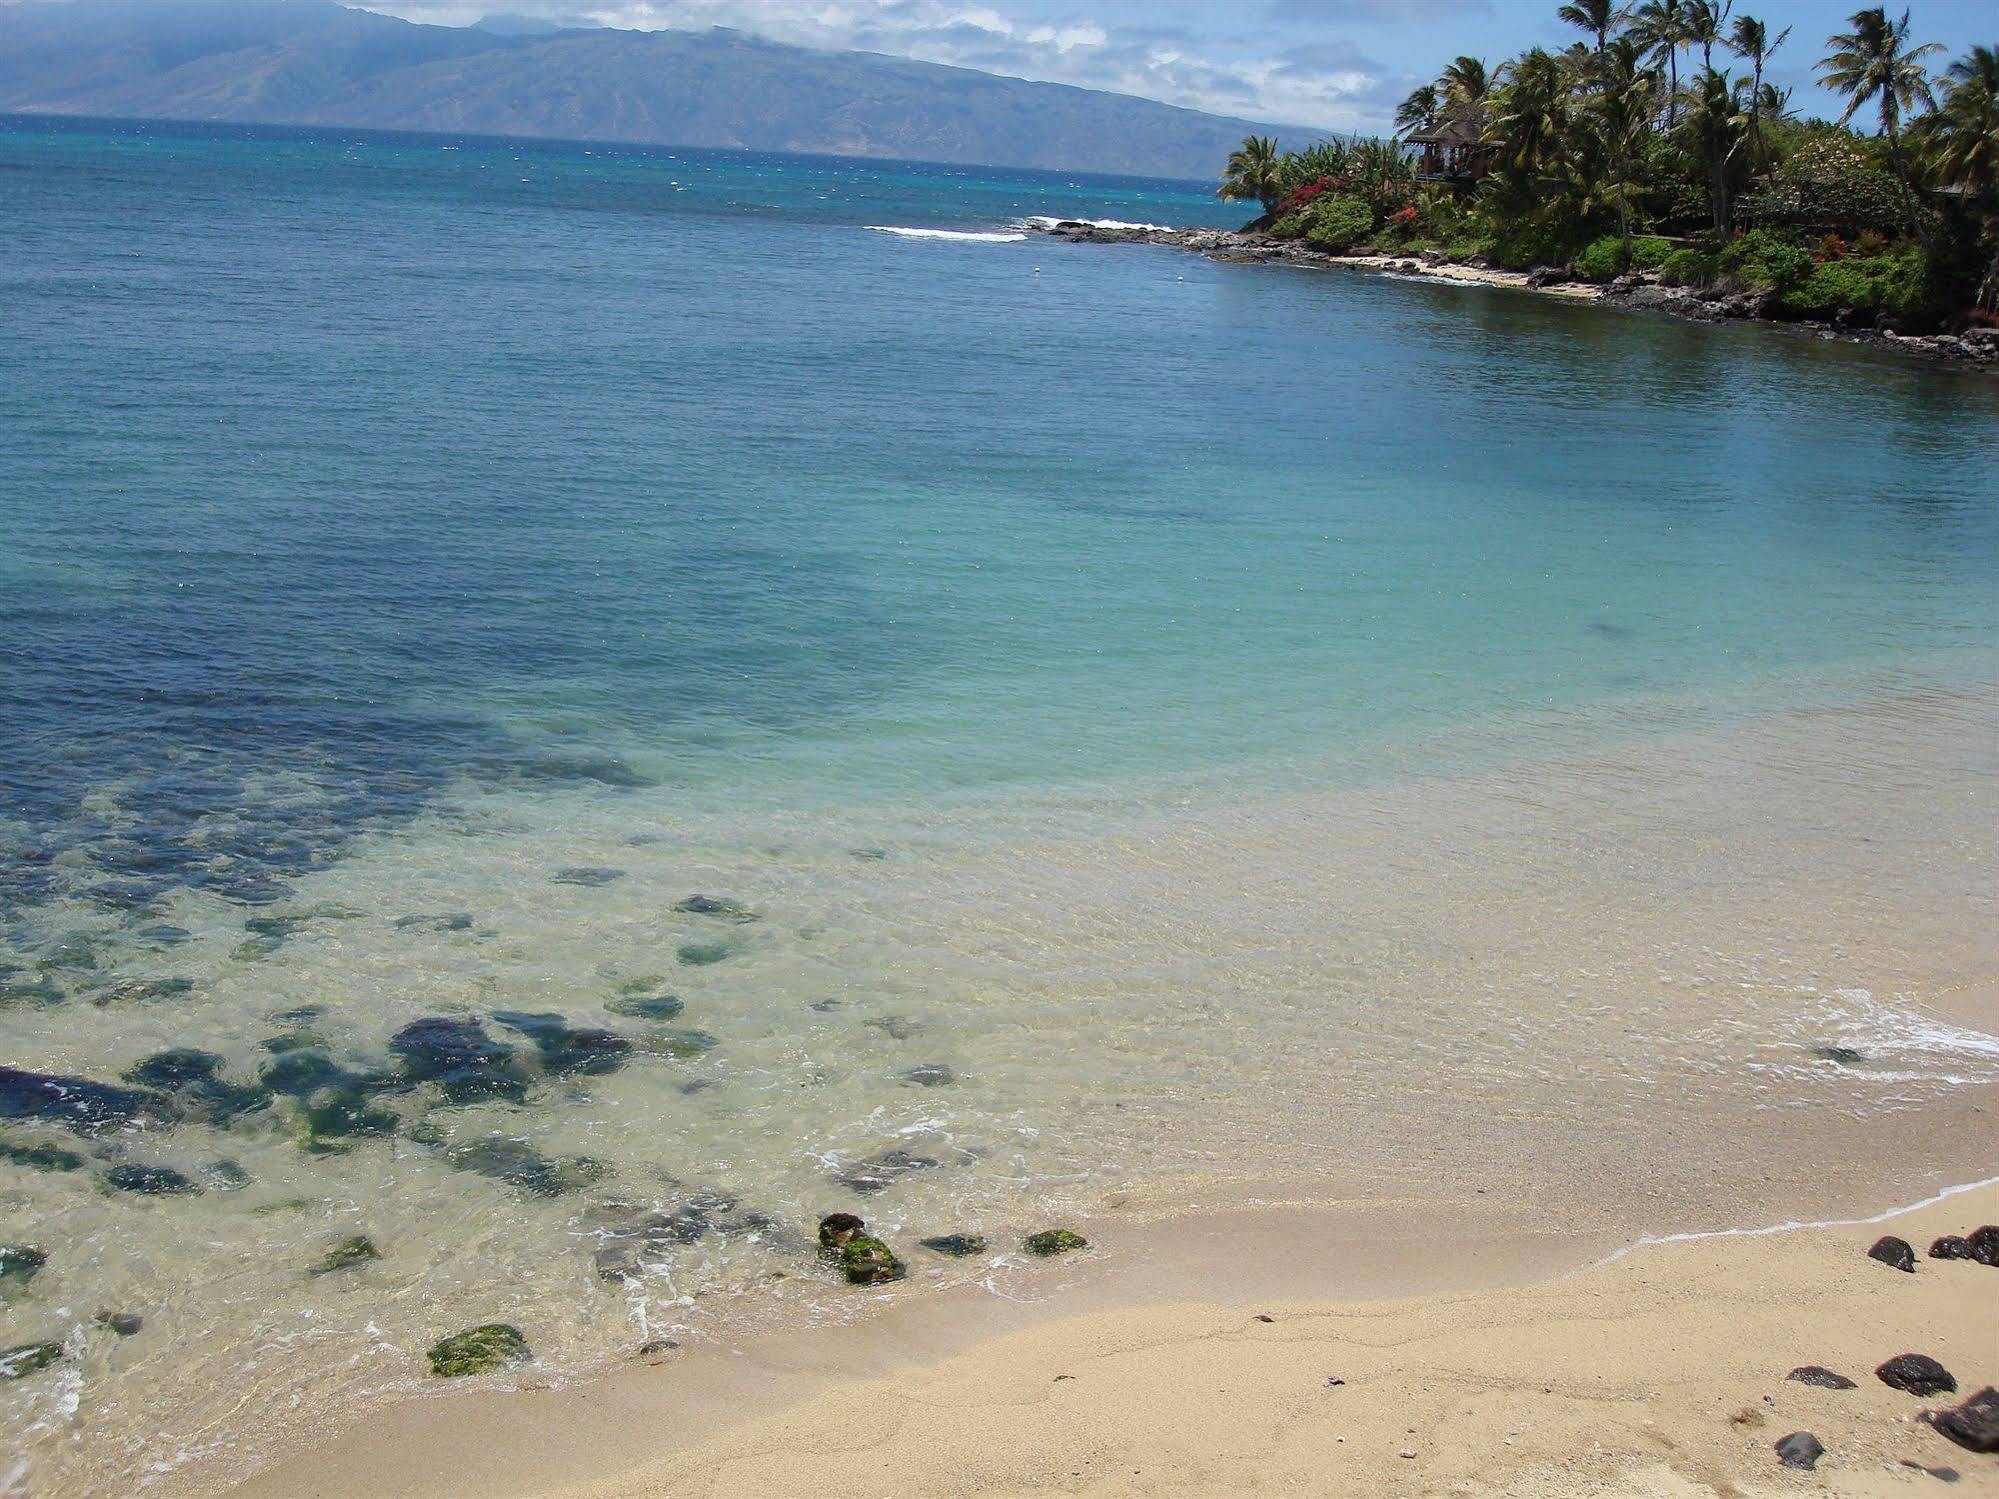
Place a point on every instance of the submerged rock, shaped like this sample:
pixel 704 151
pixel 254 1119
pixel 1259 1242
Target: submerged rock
pixel 565 1048
pixel 679 1046
pixel 20 1263
pixel 880 1172
pixel 40 1156
pixel 702 954
pixel 591 875
pixel 452 921
pixel 151 1181
pixel 479 1350
pixel 190 1076
pixel 654 1349
pixel 957 1246
pixel 454 1052
pixel 143 991
pixel 1845 1056
pixel 1800 1450
pixel 1984 1244
pixel 77 1103
pixel 867 1261
pixel 1894 1253
pixel 24 1359
pixel 1951 1247
pixel 1917 1373
pixel 930 1075
pixel 633 1235
pixel 520 1165
pixel 357 1249
pixel 1974 1425
pixel 643 1005
pixel 1053 1241
pixel 713 905
pixel 125 1324
pixel 1821 1377
pixel 896 1027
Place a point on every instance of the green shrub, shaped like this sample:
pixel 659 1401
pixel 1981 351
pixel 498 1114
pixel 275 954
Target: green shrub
pixel 1688 267
pixel 1339 223
pixel 1601 259
pixel 1767 259
pixel 1291 226
pixel 1649 252
pixel 1863 287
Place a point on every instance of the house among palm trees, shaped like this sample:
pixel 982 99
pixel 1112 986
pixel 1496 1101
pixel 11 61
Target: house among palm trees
pixel 1450 150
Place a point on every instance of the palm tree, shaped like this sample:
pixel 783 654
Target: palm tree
pixel 1716 128
pixel 1706 21
pixel 1661 29
pixel 1419 110
pixel 1466 84
pixel 1874 61
pixel 1597 17
pixel 1752 39
pixel 1619 116
pixel 1963 136
pixel 1254 171
pixel 1531 114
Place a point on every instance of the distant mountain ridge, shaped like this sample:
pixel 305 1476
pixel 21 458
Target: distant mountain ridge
pixel 315 62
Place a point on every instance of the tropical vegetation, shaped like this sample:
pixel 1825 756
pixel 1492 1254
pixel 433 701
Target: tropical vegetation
pixel 1656 143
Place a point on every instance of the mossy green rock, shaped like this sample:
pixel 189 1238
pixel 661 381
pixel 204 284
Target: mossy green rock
pixel 346 1254
pixel 869 1262
pixel 479 1350
pixel 1053 1241
pixel 28 1358
pixel 20 1263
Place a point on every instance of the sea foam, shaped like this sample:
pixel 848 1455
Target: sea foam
pixel 975 237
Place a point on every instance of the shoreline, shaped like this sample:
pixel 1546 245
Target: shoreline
pixel 1452 1357
pixel 1977 350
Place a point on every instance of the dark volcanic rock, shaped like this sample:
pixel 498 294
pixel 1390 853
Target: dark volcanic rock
pixel 1917 1373
pixel 77 1103
pixel 1845 1056
pixel 1821 1377
pixel 28 1358
pixel 1974 1425
pixel 1894 1253
pixel 478 1350
pixel 957 1246
pixel 125 1324
pixel 590 875
pixel 1984 1244
pixel 877 1173
pixel 190 1076
pixel 20 1263
pixel 1951 1247
pixel 715 905
pixel 456 1053
pixel 151 1181
pixel 565 1048
pixel 1800 1450
pixel 357 1249
pixel 520 1165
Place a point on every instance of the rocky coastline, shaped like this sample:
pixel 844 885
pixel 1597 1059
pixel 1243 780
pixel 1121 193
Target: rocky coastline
pixel 1975 348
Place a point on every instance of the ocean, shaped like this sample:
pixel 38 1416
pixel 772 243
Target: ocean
pixel 1144 729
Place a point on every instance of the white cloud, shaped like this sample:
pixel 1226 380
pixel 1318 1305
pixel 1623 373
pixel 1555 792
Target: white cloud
pixel 1338 92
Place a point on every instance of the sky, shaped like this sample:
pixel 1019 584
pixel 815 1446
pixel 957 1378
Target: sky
pixel 1333 64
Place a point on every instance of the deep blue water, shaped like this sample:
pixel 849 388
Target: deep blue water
pixel 387 462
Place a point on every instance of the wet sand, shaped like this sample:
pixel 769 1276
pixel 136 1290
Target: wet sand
pixel 1520 1368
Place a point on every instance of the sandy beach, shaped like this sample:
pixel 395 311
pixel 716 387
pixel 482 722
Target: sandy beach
pixel 1654 1372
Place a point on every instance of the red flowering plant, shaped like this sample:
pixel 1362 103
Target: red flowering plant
pixel 1303 194
pixel 1832 247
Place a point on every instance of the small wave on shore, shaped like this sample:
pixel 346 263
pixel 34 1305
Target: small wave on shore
pixel 985 237
pixel 1046 221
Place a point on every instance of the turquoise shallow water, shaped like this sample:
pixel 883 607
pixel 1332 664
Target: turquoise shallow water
pixel 423 563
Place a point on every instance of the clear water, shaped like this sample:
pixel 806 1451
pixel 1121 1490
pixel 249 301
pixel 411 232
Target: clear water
pixel 1203 707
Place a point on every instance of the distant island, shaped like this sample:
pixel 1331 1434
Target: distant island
pixel 313 62
pixel 1636 159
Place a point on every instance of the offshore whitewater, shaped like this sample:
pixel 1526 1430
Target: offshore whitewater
pixel 1166 725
